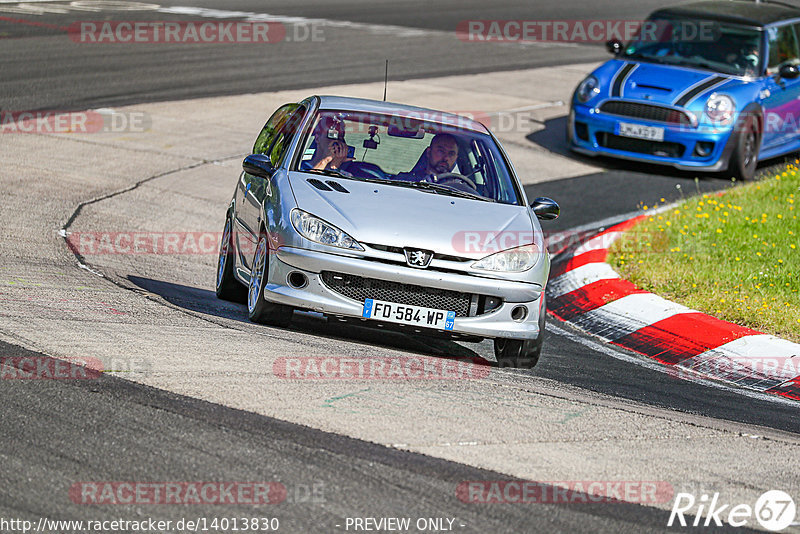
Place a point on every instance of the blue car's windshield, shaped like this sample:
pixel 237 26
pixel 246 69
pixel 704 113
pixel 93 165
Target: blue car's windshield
pixel 434 153
pixel 697 43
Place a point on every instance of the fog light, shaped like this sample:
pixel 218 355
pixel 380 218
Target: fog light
pixel 582 131
pixel 297 280
pixel 489 304
pixel 703 148
pixel 519 313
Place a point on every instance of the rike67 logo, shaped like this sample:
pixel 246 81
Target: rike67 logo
pixel 774 511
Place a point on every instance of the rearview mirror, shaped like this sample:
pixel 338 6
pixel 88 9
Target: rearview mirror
pixel 546 209
pixel 258 165
pixel 614 46
pixel 408 132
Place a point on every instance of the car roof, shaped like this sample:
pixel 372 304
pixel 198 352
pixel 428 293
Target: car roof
pixel 749 13
pixel 366 105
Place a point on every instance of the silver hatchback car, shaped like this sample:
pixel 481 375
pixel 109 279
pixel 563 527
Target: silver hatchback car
pixel 373 211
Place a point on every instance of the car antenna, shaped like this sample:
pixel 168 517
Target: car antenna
pixel 385 80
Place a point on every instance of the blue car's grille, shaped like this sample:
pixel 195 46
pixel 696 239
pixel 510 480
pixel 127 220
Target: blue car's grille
pixel 646 111
pixel 642 146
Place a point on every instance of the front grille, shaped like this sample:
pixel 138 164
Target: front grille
pixel 642 146
pixel 648 112
pixel 358 288
pixel 399 250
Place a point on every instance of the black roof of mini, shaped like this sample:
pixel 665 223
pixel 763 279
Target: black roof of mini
pixel 749 13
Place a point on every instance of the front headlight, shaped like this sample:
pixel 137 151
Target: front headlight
pixel 720 108
pixel 587 89
pixel 513 260
pixel 319 231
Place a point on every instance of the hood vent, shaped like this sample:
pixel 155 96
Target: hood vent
pixel 657 88
pixel 337 186
pixel 319 184
pixel 328 185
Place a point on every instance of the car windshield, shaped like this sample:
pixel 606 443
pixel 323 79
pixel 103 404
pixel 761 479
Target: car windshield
pixel 431 151
pixel 704 44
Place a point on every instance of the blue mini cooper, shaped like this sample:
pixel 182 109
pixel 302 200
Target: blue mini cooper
pixel 709 86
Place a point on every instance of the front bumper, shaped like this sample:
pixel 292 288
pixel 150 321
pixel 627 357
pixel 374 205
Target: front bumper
pixel 317 296
pixel 593 133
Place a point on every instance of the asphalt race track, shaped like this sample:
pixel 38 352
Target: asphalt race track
pixel 190 392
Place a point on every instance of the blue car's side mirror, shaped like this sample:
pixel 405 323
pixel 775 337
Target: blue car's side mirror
pixel 789 72
pixel 258 165
pixel 614 46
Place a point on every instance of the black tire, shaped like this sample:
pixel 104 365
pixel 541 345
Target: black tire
pixel 744 158
pixel 228 287
pixel 258 309
pixel 519 353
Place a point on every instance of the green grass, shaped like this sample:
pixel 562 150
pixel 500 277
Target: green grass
pixel 734 255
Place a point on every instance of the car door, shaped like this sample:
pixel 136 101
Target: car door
pixel 253 191
pixel 781 105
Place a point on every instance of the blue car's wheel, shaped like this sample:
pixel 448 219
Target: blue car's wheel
pixel 745 155
pixel 258 309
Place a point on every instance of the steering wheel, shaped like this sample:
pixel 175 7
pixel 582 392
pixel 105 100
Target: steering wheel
pixel 454 177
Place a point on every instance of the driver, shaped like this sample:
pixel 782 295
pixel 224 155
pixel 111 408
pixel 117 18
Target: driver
pixel 439 158
pixel 329 153
pixel 750 58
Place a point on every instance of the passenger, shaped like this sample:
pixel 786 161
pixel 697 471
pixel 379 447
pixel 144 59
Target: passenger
pixel 439 158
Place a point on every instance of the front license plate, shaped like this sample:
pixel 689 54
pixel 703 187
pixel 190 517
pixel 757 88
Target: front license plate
pixel 637 131
pixel 393 312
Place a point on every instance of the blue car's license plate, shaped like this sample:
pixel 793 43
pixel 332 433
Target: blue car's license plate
pixel 639 131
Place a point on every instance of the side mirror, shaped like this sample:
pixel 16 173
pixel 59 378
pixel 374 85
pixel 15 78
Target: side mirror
pixel 614 46
pixel 789 72
pixel 258 165
pixel 546 209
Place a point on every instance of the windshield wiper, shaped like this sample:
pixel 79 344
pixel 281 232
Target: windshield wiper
pixel 329 172
pixel 697 64
pixel 449 191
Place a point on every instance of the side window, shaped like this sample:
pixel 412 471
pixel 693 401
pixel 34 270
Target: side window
pixel 285 135
pixel 782 47
pixel 270 130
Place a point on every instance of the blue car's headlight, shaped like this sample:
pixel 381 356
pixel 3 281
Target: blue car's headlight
pixel 514 260
pixel 720 109
pixel 319 231
pixel 587 89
